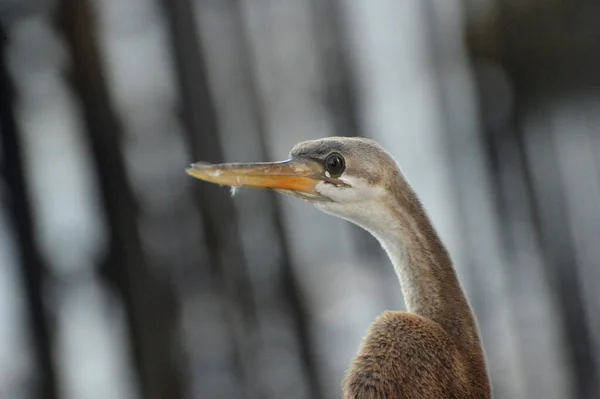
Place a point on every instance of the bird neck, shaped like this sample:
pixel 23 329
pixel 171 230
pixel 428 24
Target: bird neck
pixel 427 277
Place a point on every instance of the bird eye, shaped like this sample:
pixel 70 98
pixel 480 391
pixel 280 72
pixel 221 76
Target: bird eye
pixel 334 164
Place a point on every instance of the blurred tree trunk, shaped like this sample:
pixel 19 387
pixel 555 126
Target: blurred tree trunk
pixel 151 307
pixel 219 220
pixel 33 270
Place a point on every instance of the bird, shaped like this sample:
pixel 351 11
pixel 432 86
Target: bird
pixel 434 348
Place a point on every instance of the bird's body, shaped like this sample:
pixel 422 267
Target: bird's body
pixel 432 351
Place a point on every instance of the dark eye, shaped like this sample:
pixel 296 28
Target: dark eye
pixel 334 164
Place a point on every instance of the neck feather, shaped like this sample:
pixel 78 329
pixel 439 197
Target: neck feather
pixel 427 277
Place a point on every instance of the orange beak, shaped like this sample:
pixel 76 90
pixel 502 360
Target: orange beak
pixel 294 176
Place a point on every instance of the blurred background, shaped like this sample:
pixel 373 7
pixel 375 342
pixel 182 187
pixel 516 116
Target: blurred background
pixel 122 277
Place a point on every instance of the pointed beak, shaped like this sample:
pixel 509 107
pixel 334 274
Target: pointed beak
pixel 295 176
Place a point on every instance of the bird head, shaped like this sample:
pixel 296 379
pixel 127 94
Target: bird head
pixel 345 176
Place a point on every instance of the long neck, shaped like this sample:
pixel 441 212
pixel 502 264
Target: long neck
pixel 429 282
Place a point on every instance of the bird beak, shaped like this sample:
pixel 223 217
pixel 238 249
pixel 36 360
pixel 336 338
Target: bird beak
pixel 295 176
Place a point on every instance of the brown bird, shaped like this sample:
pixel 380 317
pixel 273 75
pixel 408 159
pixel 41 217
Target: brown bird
pixel 434 350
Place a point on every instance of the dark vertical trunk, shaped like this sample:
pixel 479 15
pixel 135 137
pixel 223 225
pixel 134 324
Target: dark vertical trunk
pixel 225 254
pixel 32 269
pixel 340 97
pixel 150 306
